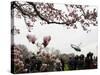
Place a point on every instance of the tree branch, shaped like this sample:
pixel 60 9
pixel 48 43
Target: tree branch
pixel 39 15
pixel 15 5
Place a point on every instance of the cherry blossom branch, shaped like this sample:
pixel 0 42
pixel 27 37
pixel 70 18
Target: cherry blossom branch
pixel 49 14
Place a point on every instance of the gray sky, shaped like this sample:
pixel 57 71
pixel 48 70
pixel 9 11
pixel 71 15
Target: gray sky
pixel 61 37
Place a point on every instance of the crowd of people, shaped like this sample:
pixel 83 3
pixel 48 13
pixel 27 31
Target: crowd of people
pixel 46 62
pixel 82 62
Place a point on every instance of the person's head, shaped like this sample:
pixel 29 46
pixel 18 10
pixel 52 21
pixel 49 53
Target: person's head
pixel 27 61
pixel 90 54
pixel 70 58
pixel 33 57
pixel 81 56
pixel 76 57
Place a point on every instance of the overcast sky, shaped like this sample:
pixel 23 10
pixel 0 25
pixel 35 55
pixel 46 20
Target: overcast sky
pixel 61 37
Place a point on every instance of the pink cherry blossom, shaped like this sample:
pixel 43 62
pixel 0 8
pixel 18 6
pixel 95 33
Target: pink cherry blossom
pixel 31 38
pixel 46 40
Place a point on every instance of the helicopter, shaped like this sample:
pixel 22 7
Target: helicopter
pixel 76 48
